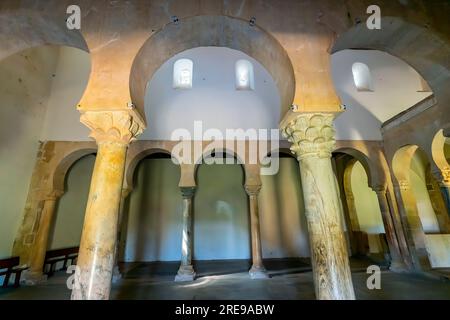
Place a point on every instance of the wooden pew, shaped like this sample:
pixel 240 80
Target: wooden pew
pixel 12 266
pixel 52 257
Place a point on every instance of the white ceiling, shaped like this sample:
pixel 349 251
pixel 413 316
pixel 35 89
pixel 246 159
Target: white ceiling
pixel 396 88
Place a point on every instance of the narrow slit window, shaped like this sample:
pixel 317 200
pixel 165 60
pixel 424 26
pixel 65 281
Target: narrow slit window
pixel 182 74
pixel 244 75
pixel 362 77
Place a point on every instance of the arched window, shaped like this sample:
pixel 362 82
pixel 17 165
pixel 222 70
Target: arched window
pixel 362 77
pixel 182 74
pixel 244 75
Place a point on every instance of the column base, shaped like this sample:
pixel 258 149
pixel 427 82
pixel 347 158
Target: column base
pixel 185 274
pixel 258 273
pixel 116 274
pixel 33 278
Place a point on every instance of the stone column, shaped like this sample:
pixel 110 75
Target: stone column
pixel 116 272
pixel 397 263
pixel 186 271
pixel 312 138
pixel 414 233
pixel 112 131
pixel 443 179
pixel 257 270
pixel 35 274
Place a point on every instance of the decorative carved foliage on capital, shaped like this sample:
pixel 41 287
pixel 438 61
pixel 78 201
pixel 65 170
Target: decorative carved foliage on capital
pixel 112 126
pixel 311 135
pixel 126 192
pixel 443 177
pixel 52 195
pixel 379 189
pixel 403 185
pixel 252 190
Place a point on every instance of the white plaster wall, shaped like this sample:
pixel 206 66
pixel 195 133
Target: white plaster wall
pixel 154 213
pixel 437 247
pixel 221 216
pixel 221 228
pixel 213 98
pixel 25 80
pixel 284 229
pixel 396 87
pixel 62 121
pixel 215 101
pixel 69 216
pixel 366 202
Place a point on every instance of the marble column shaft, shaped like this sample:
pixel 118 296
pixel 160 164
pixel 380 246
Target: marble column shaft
pixel 394 247
pixel 312 138
pixel 257 271
pixel 186 271
pixel 37 258
pixel 116 272
pixel 113 131
pixel 414 233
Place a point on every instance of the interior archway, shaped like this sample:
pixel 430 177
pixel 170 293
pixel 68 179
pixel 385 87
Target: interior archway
pixel 221 219
pixel 364 222
pixel 410 165
pixel 202 31
pixel 69 214
pixel 212 101
pixel 38 86
pixel 151 219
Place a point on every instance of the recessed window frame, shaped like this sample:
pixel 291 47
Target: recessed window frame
pixel 183 74
pixel 244 75
pixel 362 77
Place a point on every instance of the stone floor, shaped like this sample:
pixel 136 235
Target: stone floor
pixel 290 279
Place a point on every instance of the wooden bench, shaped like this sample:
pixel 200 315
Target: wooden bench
pixel 12 266
pixel 52 257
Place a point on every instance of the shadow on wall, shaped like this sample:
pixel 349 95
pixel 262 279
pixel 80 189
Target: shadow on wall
pixel 38 86
pixel 284 230
pixel 153 227
pixel 68 221
pixel 221 214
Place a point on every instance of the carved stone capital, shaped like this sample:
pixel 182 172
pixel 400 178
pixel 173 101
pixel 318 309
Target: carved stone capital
pixel 53 195
pixel 403 185
pixel 113 126
pixel 379 189
pixel 187 192
pixel 252 190
pixel 443 177
pixel 126 192
pixel 311 134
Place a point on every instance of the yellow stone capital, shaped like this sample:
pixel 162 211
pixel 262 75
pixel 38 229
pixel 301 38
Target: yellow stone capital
pixel 126 192
pixel 403 185
pixel 443 177
pixel 379 189
pixel 119 126
pixel 53 195
pixel 252 190
pixel 311 134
